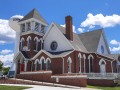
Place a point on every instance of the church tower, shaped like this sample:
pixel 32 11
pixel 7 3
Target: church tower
pixel 32 29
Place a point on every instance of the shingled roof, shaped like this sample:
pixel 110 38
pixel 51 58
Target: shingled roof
pixel 76 43
pixel 34 14
pixel 91 39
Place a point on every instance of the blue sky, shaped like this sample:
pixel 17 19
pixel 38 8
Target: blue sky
pixel 84 13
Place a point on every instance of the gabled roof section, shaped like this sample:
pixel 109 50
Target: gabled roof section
pixel 63 54
pixel 61 28
pixel 91 39
pixel 25 54
pixel 34 14
pixel 77 43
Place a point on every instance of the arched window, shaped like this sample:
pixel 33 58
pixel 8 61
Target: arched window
pixel 90 58
pixel 79 62
pixel 37 65
pixel 39 45
pixel 36 43
pixel 48 61
pixel 42 61
pixel 28 42
pixel 42 65
pixel 22 44
pixel 91 64
pixel 69 64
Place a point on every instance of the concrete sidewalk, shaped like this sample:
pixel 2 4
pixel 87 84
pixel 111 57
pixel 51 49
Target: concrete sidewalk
pixel 38 87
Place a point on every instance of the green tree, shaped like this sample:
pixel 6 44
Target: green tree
pixel 1 66
pixel 6 70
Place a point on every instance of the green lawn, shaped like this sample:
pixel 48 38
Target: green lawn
pixel 3 87
pixel 105 88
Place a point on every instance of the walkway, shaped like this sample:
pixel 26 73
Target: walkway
pixel 36 87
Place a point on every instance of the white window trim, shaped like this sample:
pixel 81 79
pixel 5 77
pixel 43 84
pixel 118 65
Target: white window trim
pixel 37 60
pixel 41 40
pixel 36 38
pixel 80 58
pixel 27 26
pixel 84 63
pixel 42 58
pixel 90 56
pixel 21 42
pixel 28 38
pixel 48 59
pixel 70 66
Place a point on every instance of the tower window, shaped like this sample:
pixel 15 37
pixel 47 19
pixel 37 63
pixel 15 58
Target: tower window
pixel 42 28
pixel 36 44
pixel 29 42
pixel 22 44
pixel 28 26
pixel 37 26
pixel 23 27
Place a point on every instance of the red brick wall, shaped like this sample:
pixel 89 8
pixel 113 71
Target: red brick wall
pixel 56 63
pixel 73 65
pixel 45 77
pixel 81 82
pixel 100 82
pixel 31 53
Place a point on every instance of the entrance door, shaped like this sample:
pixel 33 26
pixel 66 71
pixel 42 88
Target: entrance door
pixel 102 69
pixel 22 67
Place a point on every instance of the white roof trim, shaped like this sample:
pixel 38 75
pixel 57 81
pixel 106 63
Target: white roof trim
pixel 59 32
pixel 18 55
pixel 50 55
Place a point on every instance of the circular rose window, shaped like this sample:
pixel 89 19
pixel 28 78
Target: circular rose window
pixel 53 45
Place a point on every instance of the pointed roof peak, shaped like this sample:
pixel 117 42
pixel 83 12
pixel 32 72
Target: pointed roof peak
pixel 34 14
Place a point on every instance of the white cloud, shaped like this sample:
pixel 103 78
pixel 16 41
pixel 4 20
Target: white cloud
pixel 5 51
pixel 81 30
pixel 101 20
pixel 7 59
pixel 7 35
pixel 115 49
pixel 114 42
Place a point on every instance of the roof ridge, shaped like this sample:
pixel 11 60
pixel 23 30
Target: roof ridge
pixel 34 14
pixel 93 31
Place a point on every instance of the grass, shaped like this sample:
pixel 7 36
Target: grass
pixel 4 87
pixel 104 88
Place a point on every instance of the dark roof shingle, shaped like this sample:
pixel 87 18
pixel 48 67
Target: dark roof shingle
pixel 91 39
pixel 34 14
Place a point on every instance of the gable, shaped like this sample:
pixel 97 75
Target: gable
pixel 102 46
pixel 90 40
pixel 54 34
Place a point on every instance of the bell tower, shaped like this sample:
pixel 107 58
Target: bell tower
pixel 32 29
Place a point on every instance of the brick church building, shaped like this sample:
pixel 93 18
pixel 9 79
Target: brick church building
pixel 59 55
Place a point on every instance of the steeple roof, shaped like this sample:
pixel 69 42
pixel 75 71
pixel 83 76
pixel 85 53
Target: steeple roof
pixel 34 14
